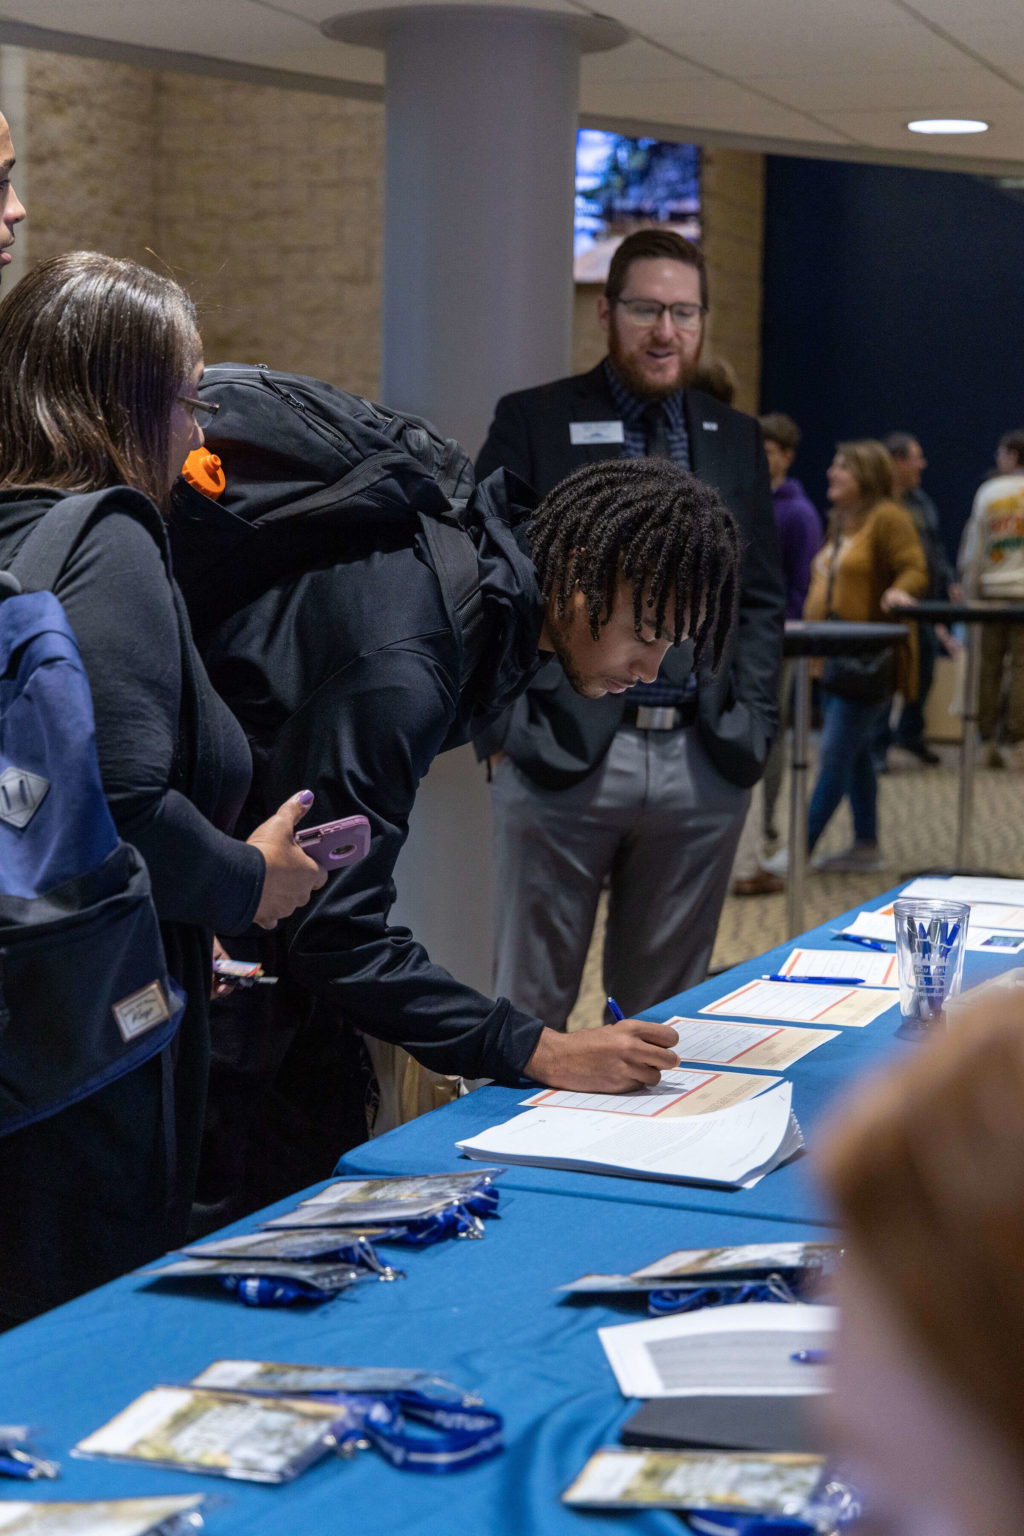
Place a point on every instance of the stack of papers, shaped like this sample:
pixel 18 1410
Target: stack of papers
pixel 723 1351
pixel 997 912
pixel 809 1003
pixel 733 1147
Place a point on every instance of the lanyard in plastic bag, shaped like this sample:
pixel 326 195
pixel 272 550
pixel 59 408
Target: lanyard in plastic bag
pixel 462 1434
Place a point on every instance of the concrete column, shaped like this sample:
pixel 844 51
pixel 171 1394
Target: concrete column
pixel 481 132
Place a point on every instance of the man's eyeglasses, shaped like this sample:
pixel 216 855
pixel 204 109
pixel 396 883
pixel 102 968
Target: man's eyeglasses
pixel 685 317
pixel 204 410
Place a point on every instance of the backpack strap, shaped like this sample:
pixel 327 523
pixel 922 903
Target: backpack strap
pixel 454 558
pixel 42 556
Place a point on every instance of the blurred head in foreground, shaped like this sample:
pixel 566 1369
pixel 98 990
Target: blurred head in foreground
pixel 926 1169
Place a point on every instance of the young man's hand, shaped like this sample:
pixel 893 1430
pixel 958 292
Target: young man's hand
pixel 617 1058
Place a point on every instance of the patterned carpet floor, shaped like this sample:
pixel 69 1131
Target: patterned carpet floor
pixel 917 822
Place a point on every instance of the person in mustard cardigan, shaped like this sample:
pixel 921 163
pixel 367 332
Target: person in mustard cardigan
pixel 871 565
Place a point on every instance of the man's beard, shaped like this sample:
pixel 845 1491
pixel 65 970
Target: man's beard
pixel 636 381
pixel 558 634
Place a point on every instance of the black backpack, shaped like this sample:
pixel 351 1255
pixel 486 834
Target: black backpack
pixel 311 468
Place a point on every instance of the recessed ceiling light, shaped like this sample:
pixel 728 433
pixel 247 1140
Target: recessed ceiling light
pixel 948 125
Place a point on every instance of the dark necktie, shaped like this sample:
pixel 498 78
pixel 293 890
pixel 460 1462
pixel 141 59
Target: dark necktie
pixel 656 441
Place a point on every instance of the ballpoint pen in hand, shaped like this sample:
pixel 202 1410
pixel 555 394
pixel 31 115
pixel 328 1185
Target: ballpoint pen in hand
pixel 615 1011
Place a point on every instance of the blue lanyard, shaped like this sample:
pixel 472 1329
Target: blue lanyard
pixel 463 1434
pixel 778 1287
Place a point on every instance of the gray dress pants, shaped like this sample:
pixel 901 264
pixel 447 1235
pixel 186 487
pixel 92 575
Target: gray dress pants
pixel 655 817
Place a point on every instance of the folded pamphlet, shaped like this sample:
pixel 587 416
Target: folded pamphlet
pixel 688 1266
pixel 741 1482
pixel 724 1351
pixel 102 1517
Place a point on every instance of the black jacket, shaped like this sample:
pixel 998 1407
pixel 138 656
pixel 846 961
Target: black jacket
pixel 555 737
pixel 85 1195
pixel 346 679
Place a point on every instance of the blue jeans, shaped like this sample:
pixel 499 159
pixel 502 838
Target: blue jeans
pixel 846 768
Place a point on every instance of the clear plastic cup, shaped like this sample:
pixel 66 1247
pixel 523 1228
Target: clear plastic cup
pixel 931 938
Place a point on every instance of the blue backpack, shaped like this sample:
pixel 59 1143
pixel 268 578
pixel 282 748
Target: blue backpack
pixel 84 992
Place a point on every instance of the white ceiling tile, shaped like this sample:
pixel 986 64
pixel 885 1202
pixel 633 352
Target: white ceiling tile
pixel 955 15
pixel 636 61
pixel 965 92
pixel 739 17
pixel 715 104
pixel 798 48
pixel 187 26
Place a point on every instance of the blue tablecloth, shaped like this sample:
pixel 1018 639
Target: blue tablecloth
pixel 483 1313
pixel 787 1195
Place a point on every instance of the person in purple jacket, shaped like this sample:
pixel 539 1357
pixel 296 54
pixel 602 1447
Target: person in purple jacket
pixel 800 535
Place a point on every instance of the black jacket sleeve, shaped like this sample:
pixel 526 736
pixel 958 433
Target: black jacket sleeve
pixel 120 605
pixel 362 743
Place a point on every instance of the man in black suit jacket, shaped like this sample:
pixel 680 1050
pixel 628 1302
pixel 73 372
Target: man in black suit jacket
pixel 647 791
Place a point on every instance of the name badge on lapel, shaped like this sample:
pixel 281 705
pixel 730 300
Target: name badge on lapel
pixel 582 434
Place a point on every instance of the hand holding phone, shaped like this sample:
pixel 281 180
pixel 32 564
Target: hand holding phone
pixel 336 844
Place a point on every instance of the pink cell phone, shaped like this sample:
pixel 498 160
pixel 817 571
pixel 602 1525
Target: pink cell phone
pixel 336 843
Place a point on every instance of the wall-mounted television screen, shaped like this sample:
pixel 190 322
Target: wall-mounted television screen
pixel 625 184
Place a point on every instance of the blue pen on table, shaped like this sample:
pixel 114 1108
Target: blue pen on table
pixel 821 981
pixel 615 1011
pixel 858 938
pixel 810 1357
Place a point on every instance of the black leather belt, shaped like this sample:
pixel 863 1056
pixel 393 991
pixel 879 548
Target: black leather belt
pixel 660 717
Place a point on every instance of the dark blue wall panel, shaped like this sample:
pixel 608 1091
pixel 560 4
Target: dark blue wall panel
pixel 894 300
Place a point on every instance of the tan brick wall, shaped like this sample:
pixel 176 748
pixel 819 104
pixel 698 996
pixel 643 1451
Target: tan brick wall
pixel 93 139
pixel 267 204
pixel 732 216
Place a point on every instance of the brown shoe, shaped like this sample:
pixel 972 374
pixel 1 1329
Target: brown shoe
pixel 764 883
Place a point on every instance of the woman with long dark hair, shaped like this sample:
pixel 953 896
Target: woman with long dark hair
pixel 99 363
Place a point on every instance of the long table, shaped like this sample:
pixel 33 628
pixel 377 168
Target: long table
pixel 787 1195
pixel 485 1313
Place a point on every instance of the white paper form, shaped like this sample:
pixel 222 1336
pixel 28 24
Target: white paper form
pixel 680 1092
pixel 872 970
pixel 986 923
pixel 807 1004
pixel 774 1046
pixel 969 888
pixel 734 1147
pixel 722 1352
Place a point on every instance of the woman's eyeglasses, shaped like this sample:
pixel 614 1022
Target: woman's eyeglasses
pixel 203 410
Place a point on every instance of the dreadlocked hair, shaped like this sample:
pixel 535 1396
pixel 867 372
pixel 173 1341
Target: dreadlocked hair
pixel 650 523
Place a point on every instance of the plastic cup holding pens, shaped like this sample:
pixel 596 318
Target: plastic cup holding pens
pixel 931 938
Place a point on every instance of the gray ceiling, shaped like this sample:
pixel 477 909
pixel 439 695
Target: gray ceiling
pixel 838 77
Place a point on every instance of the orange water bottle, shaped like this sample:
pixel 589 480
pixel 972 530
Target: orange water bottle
pixel 204 472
